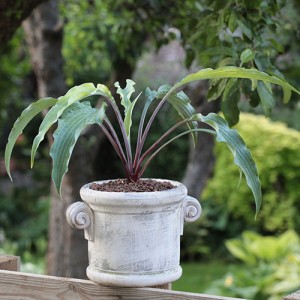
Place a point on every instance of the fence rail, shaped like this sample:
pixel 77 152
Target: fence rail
pixel 16 285
pixel 294 296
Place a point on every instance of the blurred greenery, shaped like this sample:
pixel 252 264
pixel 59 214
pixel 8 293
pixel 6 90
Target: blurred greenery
pixel 270 269
pixel 227 203
pixel 275 148
pixel 98 35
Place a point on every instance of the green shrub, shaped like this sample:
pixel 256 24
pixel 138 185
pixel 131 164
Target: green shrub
pixel 276 150
pixel 270 269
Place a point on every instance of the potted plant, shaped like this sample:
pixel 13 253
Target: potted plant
pixel 134 234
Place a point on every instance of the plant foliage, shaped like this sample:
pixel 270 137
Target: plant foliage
pixel 275 149
pixel 73 117
pixel 270 267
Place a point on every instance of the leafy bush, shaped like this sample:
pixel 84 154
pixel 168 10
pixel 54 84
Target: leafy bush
pixel 275 148
pixel 270 270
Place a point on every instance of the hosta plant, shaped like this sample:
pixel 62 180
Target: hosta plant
pixel 73 112
pixel 270 267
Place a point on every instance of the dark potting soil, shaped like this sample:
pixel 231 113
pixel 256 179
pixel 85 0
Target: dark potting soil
pixel 123 185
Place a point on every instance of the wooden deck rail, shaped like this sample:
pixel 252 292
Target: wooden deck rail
pixel 15 285
pixel 294 296
pixel 9 262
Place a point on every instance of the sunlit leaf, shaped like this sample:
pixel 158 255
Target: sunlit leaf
pixel 128 116
pixel 102 90
pixel 76 93
pixel 287 93
pixel 233 72
pixel 126 93
pixel 27 115
pixel 238 250
pixel 247 55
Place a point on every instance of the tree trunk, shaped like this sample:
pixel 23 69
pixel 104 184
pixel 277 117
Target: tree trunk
pixel 44 33
pixel 67 249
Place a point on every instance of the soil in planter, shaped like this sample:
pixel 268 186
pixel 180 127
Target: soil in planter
pixel 123 185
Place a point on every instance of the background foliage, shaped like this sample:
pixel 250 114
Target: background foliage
pixel 275 148
pixel 227 204
pixel 266 261
pixel 100 38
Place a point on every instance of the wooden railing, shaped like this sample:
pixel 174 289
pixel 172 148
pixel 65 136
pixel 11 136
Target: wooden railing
pixel 294 296
pixel 16 285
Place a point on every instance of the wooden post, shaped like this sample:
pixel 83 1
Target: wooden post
pixel 9 262
pixel 167 286
pixel 294 296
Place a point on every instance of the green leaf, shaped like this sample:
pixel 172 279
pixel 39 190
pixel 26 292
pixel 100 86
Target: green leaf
pixel 230 99
pixel 216 89
pixel 72 122
pixel 245 29
pixel 242 156
pixel 128 116
pixel 254 84
pixel 266 97
pixel 190 56
pixel 126 93
pixel 234 72
pixel 227 61
pixel 287 93
pixel 232 23
pixel 76 93
pixel 103 90
pixel 237 249
pixel 247 55
pixel 279 47
pixel 27 115
pixel 149 96
pixel 181 104
pixel 254 99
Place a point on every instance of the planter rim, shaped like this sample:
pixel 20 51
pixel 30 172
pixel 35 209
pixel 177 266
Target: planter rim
pixel 147 199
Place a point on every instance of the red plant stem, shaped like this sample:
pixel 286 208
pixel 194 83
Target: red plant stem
pixel 118 150
pixel 123 131
pixel 115 136
pixel 141 143
pixel 168 142
pixel 138 145
pixel 156 143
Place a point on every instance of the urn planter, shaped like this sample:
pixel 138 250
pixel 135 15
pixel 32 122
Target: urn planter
pixel 133 238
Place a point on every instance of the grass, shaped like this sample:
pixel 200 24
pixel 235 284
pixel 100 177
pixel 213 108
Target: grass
pixel 197 276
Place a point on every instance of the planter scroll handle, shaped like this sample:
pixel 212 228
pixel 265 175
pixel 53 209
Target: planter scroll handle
pixel 80 216
pixel 191 210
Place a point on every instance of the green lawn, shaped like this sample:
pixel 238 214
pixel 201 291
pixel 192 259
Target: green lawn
pixel 197 276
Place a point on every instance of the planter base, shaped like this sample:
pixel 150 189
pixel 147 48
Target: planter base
pixel 133 280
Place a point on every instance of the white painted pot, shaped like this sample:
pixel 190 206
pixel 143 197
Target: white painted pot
pixel 133 238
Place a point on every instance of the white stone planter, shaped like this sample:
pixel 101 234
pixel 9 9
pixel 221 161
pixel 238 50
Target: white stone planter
pixel 133 238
